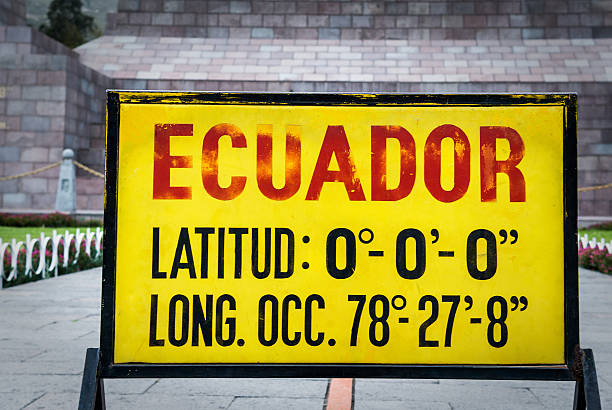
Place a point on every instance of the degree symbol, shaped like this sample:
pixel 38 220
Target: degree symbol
pixel 368 234
pixel 398 305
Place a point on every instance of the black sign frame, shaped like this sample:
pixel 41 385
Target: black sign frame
pixel 570 370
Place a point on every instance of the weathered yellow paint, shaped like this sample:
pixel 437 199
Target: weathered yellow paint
pixel 533 267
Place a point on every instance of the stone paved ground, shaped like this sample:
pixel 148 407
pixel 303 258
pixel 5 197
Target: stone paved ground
pixel 46 326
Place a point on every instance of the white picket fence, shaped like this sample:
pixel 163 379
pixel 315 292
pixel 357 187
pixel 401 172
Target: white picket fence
pixel 93 248
pixel 586 242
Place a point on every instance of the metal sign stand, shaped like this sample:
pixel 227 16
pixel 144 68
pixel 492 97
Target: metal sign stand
pixel 92 386
pixel 586 393
pixel 578 365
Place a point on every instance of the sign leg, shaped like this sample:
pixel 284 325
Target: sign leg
pixel 92 386
pixel 579 401
pixel 586 394
pixel 591 388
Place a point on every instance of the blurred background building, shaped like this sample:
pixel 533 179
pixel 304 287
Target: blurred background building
pixel 52 97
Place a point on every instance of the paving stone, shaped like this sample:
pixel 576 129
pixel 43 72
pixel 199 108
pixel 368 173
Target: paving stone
pixel 19 400
pixel 145 401
pixel 370 390
pixel 253 403
pixel 399 405
pixel 281 388
pixel 54 400
pixel 117 387
pixel 42 383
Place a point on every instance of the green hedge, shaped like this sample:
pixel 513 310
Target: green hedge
pixel 46 220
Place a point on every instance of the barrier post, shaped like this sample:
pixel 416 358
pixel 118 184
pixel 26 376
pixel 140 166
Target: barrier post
pixel 65 200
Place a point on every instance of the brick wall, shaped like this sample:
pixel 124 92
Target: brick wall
pixel 85 129
pixel 85 114
pixel 43 44
pixel 90 193
pixel 33 135
pixel 48 102
pixel 19 40
pixel 51 100
pixel 391 19
pixel 12 12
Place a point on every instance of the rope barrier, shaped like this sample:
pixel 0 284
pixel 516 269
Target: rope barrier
pixel 86 168
pixel 51 166
pixel 36 171
pixel 595 188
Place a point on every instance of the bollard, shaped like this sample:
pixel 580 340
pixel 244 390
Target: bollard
pixel 65 200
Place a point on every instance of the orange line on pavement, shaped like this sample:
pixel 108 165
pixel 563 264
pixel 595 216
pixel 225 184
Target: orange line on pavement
pixel 340 395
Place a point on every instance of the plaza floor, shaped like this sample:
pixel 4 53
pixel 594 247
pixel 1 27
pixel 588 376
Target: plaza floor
pixel 46 326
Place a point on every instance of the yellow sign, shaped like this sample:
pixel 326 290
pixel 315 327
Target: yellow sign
pixel 386 233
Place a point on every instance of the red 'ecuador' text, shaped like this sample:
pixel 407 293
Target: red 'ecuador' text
pixel 335 144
